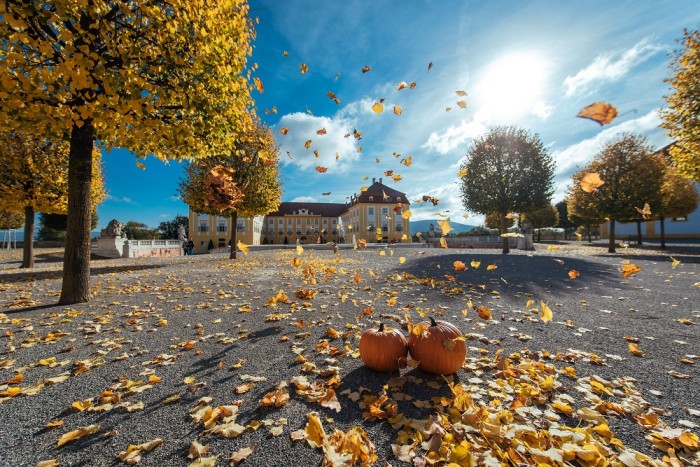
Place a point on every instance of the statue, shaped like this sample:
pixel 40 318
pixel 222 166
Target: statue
pixel 181 236
pixel 525 242
pixel 113 229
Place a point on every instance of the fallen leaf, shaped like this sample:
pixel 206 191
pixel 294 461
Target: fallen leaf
pixel 546 313
pixel 77 434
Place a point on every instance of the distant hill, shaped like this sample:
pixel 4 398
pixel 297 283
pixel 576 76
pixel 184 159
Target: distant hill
pixel 424 226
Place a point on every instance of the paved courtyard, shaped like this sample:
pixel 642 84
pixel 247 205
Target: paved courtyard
pixel 214 356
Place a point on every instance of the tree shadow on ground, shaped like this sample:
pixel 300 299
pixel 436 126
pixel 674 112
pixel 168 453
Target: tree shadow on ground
pixel 34 275
pixel 528 273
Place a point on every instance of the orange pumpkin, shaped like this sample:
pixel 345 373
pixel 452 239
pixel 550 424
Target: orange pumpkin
pixel 438 346
pixel 383 349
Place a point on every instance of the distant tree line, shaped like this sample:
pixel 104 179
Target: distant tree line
pixel 54 226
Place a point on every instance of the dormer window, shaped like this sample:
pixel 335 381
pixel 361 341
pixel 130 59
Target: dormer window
pixel 371 199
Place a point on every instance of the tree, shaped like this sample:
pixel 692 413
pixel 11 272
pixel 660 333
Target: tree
pixel 547 216
pixel 493 221
pixel 678 197
pixel 508 170
pixel 139 231
pixel 157 78
pixel 682 117
pixel 564 221
pixel 631 178
pixel 54 226
pixel 581 208
pixel 245 183
pixel 171 229
pixel 11 220
pixel 35 174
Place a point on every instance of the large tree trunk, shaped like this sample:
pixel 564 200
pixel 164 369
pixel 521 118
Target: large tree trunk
pixel 504 229
pixel 611 234
pixel 28 248
pixel 234 230
pixel 663 232
pixel 639 232
pixel 76 259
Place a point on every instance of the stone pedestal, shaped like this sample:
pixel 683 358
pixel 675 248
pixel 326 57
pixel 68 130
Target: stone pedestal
pixel 109 247
pixel 525 242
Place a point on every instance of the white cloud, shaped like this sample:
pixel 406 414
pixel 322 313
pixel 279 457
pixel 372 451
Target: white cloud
pixel 454 136
pixel 303 127
pixel 165 216
pixel 175 198
pixel 610 66
pixel 117 199
pixel 542 109
pixel 305 199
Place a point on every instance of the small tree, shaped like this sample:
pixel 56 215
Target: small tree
pixel 493 221
pixel 171 229
pixel 508 170
pixel 564 221
pixel 11 220
pixel 678 197
pixel 681 116
pixel 139 231
pixel 54 226
pixel 35 178
pixel 547 216
pixel 631 178
pixel 245 183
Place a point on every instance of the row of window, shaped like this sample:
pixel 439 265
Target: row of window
pixel 298 232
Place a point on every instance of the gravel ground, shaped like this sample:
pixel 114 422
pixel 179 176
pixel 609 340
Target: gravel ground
pixel 207 318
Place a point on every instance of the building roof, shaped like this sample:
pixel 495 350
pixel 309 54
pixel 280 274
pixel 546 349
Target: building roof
pixel 380 193
pixel 319 209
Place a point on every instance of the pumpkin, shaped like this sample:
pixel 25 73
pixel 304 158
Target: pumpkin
pixel 383 349
pixel 438 346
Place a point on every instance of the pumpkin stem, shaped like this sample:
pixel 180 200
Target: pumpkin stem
pixel 432 322
pixel 381 327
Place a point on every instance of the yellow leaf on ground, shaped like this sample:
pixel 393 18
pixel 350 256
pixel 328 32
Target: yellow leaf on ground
pixel 546 313
pixel 573 274
pixel 629 270
pixel 77 434
pixel 675 262
pixel 634 350
pixel 491 267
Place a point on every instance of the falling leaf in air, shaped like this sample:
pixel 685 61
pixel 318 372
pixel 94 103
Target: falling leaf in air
pixel 377 108
pixel 430 65
pixel 432 199
pixel 396 177
pixel 445 226
pixel 645 211
pixel 463 172
pixel 243 247
pixel 307 144
pixel 629 270
pixel 326 193
pixel 77 434
pixel 322 131
pixel 591 182
pixel 675 262
pixel 366 68
pixel 412 85
pixel 600 112
pixel 573 274
pixel 259 85
pixel 337 76
pixel 303 68
pixel 579 236
pixel 401 85
pixel 407 161
pixel 397 110
pixel 443 242
pixel 634 350
pixel 285 54
pixel 546 314
pixel 333 97
pixel 462 104
pixel 461 93
pixel 447 109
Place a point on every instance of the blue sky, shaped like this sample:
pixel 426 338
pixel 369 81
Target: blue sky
pixel 533 64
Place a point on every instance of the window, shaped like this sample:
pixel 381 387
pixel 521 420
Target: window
pixel 371 199
pixel 222 243
pixel 240 225
pixel 203 226
pixel 370 210
pixel 334 221
pixel 220 224
pixel 325 222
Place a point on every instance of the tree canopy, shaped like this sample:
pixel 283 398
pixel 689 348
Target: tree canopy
pixel 682 117
pixel 547 216
pixel 564 221
pixel 508 170
pixel 171 229
pixel 11 220
pixel 253 187
pixel 631 176
pixel 157 78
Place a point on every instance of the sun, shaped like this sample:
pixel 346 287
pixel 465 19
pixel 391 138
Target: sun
pixel 511 87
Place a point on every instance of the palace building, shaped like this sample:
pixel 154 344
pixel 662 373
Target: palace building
pixel 366 216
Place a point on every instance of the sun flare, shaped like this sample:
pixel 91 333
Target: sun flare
pixel 512 86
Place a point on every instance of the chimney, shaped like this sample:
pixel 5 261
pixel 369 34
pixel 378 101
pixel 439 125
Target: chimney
pixel 380 180
pixel 374 179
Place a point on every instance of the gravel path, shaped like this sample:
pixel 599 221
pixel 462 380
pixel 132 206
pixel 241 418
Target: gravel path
pixel 168 332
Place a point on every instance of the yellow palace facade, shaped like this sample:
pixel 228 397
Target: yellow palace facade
pixel 305 223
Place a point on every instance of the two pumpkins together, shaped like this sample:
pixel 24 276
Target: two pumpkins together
pixel 439 348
